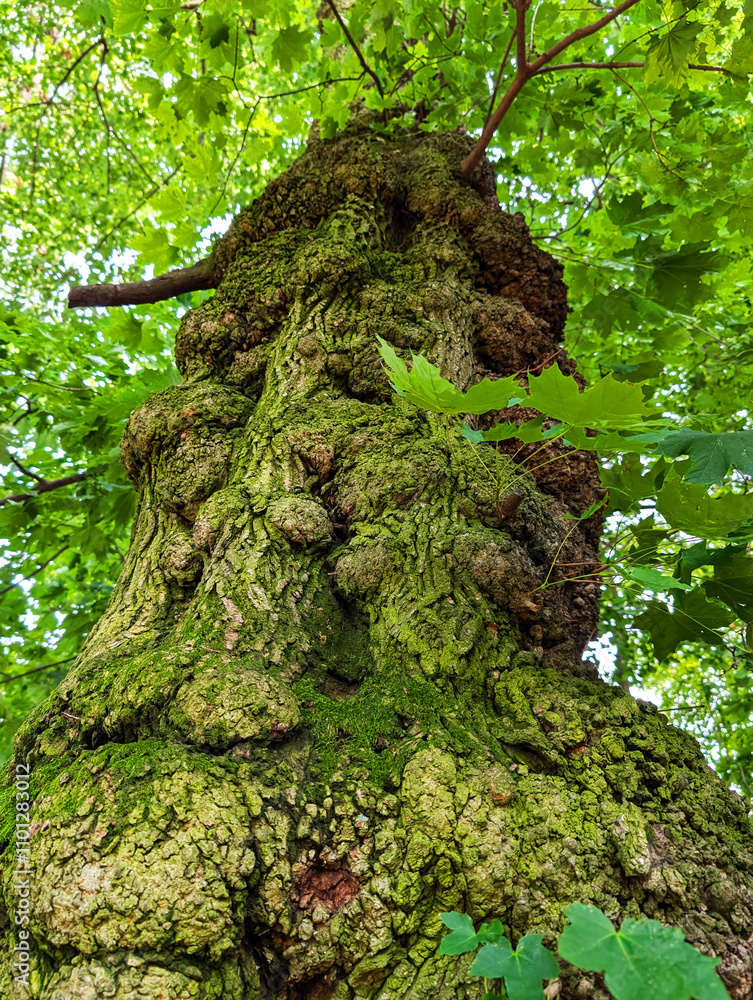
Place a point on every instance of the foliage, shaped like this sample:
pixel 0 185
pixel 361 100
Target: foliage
pixel 130 132
pixel 643 958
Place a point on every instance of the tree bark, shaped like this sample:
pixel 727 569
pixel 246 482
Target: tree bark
pixel 329 699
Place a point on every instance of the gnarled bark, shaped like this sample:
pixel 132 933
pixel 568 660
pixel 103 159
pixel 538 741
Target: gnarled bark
pixel 329 699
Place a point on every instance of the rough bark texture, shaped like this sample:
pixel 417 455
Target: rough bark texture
pixel 328 700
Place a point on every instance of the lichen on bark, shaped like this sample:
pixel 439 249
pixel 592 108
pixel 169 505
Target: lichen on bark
pixel 331 697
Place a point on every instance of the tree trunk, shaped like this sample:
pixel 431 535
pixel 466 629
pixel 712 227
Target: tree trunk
pixel 329 699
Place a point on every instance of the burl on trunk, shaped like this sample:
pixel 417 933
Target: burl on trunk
pixel 329 699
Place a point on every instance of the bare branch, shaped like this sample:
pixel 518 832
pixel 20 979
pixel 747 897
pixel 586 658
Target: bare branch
pixel 44 487
pixel 353 44
pixel 526 70
pixel 587 65
pixel 164 286
pixel 521 52
pixel 624 65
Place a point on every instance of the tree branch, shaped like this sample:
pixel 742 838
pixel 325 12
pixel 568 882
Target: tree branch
pixel 624 65
pixel 587 65
pixel 7 678
pixel 353 44
pixel 45 487
pixel 521 52
pixel 164 286
pixel 37 569
pixel 26 472
pixel 526 70
pixel 575 36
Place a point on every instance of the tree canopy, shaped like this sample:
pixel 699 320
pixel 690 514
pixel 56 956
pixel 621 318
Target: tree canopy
pixel 131 134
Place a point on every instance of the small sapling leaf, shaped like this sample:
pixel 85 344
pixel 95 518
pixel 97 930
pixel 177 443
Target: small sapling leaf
pixel 424 386
pixel 591 509
pixel 463 937
pixel 490 933
pixel 653 579
pixel 523 969
pixel 643 959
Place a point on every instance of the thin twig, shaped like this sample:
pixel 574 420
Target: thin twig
pixel 103 239
pixel 26 472
pixel 499 78
pixel 527 371
pixel 269 97
pixel 354 46
pixel 587 65
pixel 684 708
pixel 65 388
pixel 47 105
pixel 34 572
pixel 111 128
pixel 47 666
pixel 651 121
pixel 652 31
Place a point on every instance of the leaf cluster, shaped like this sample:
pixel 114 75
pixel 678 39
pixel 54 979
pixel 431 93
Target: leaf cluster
pixel 643 958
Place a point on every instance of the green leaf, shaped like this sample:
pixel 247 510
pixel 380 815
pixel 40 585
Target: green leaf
pixel 735 592
pixel 425 386
pixel 606 403
pixel 677 273
pixel 711 454
pixel 523 970
pixel 490 933
pixel 693 618
pixel 463 937
pixel 589 511
pixel 129 16
pixel 700 554
pixel 643 959
pixel 529 432
pixel 91 12
pixel 613 441
pixel 653 579
pixel 669 54
pixel 290 47
pixel 628 482
pixel 687 506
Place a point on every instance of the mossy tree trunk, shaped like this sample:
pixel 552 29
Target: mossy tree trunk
pixel 329 699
